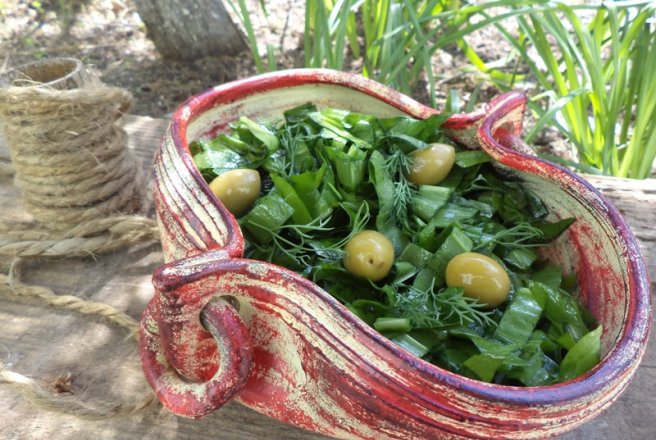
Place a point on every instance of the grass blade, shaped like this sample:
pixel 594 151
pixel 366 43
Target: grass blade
pixel 547 117
pixel 244 16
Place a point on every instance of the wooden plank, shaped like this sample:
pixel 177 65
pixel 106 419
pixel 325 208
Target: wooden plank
pixel 44 343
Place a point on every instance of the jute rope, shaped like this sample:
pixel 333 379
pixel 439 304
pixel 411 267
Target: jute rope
pixel 83 187
pixel 6 170
pixel 70 157
pixel 11 283
pixel 39 395
pixel 121 231
pixel 42 398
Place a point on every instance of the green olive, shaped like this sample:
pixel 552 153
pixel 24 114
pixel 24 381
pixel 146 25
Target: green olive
pixel 237 189
pixel 431 165
pixel 369 254
pixel 481 276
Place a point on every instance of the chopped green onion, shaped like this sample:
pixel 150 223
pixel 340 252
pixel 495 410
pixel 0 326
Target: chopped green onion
pixel 582 357
pixel 388 325
pixel 266 217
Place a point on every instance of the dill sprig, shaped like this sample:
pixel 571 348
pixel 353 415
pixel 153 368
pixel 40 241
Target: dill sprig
pixel 292 240
pixel 397 166
pixel 282 161
pixel 357 223
pixel 521 235
pixel 300 244
pixel 431 309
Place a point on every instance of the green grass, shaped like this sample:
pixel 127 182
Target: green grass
pixel 596 84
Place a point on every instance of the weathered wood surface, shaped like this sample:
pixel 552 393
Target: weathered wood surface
pixel 46 344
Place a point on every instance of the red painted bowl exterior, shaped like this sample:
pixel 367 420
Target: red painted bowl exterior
pixel 294 353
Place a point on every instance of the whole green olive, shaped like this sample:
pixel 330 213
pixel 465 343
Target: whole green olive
pixel 481 276
pixel 237 189
pixel 431 165
pixel 369 254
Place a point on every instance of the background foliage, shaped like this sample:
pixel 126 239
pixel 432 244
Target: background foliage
pixel 589 68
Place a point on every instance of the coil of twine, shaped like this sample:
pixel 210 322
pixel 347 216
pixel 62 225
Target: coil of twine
pixel 69 155
pixel 81 184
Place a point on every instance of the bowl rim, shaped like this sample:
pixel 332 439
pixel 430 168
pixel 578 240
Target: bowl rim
pixel 617 366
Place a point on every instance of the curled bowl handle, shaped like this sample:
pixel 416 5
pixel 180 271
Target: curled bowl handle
pixel 226 352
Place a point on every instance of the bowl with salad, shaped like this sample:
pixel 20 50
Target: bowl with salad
pixel 345 259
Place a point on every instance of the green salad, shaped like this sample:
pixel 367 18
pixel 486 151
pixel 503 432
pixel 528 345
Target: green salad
pixel 426 242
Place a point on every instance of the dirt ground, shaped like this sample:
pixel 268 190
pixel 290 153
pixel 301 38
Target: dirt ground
pixel 109 35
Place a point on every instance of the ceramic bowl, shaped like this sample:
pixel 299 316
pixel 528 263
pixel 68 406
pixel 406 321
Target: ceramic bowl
pixel 223 327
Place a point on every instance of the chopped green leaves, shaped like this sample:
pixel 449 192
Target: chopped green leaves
pixel 584 355
pixel 466 159
pixel 521 317
pixel 267 216
pixel 213 159
pixel 330 174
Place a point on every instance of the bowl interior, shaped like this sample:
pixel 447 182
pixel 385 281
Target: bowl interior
pixel 271 104
pixel 591 248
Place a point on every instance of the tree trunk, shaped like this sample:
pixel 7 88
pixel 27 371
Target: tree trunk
pixel 185 30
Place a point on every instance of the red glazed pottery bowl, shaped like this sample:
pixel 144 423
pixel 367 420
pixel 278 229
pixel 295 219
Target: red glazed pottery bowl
pixel 223 327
